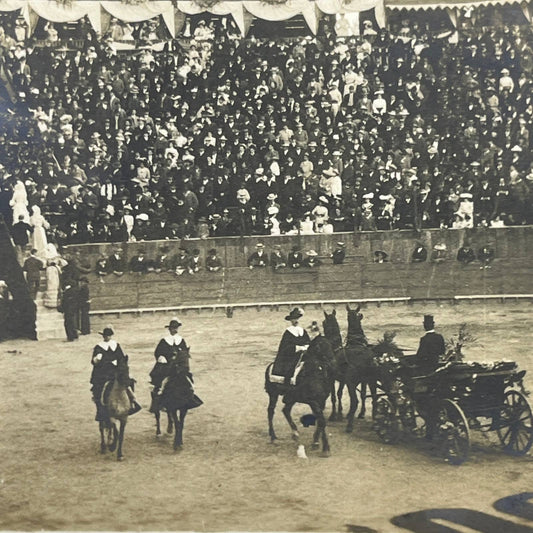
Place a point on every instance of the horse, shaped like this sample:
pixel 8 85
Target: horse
pixel 313 387
pixel 177 397
pixel 116 402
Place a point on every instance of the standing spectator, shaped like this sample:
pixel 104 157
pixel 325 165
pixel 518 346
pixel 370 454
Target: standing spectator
pixel 84 302
pixel 20 232
pixel 70 309
pixel 53 285
pixel 39 224
pixel 33 266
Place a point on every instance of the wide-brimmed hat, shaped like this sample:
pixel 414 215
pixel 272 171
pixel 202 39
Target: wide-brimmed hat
pixel 381 253
pixel 312 253
pixel 107 332
pixel 174 323
pixel 341 244
pixel 259 245
pixel 295 314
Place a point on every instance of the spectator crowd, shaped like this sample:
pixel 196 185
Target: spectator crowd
pixel 223 136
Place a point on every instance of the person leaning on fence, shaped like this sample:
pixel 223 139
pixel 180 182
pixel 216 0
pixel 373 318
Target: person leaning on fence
pixel 259 258
pixel 277 259
pixel 295 258
pixel 212 261
pixel 466 254
pixel 193 265
pixel 486 256
pixel 420 253
pixel 339 254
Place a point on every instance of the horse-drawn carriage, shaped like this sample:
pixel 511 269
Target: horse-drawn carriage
pixel 448 403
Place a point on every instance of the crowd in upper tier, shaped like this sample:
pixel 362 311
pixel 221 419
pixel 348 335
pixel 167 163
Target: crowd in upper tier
pixel 229 136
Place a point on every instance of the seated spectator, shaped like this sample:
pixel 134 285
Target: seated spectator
pixel 311 260
pixel 420 253
pixel 212 261
pixel 486 256
pixel 466 253
pixel 339 253
pixel 380 257
pixel 182 262
pixel 194 266
pixel 288 226
pixel 295 258
pixel 259 258
pixel 439 254
pixel 139 263
pixel 116 263
pixel 277 259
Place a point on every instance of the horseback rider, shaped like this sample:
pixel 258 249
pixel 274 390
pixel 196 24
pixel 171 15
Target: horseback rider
pixel 171 348
pixel 294 343
pixel 107 355
pixel 431 347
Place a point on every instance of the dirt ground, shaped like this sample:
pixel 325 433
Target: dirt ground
pixel 229 477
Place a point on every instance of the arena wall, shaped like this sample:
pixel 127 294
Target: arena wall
pixel 357 278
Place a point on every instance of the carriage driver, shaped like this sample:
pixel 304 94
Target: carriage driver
pixel 168 348
pixel 431 347
pixel 294 343
pixel 106 356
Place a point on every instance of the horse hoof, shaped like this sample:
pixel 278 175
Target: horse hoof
pixel 349 429
pixel 325 454
pixel 178 448
pixel 315 445
pixel 120 458
pixel 361 416
pixel 295 436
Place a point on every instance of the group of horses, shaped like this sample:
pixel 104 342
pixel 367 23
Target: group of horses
pixel 352 365
pixel 174 400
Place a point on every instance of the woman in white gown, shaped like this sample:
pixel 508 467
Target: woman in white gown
pixel 39 224
pixel 19 202
pixel 51 294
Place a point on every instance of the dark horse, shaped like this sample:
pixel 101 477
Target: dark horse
pixel 313 386
pixel 177 397
pixel 116 402
pixel 358 367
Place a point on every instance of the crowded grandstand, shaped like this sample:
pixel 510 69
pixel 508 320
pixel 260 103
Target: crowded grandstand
pixel 132 135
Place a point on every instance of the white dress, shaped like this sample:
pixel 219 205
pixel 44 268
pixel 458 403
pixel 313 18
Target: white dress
pixel 19 202
pixel 39 224
pixel 52 286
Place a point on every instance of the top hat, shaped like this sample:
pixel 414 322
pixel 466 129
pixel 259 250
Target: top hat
pixel 107 332
pixel 174 323
pixel 295 314
pixel 429 323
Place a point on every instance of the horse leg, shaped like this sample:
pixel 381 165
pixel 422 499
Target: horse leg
pixel 353 405
pixel 123 421
pixel 363 400
pixel 373 391
pixel 333 415
pixel 320 429
pixel 287 412
pixel 112 437
pixel 157 423
pixel 176 429
pixel 169 424
pixel 273 400
pixel 183 414
pixel 339 399
pixel 102 428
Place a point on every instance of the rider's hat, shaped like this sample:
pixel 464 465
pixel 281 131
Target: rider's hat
pixel 174 323
pixel 295 314
pixel 429 323
pixel 107 332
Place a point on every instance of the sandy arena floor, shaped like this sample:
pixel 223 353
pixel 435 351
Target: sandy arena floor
pixel 229 476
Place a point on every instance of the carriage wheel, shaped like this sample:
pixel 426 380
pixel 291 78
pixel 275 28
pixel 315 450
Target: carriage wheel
pixel 453 432
pixel 385 421
pixel 515 426
pixel 408 417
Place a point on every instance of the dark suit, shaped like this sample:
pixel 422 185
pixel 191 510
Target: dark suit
pixel 430 349
pixel 19 232
pixel 255 260
pixel 32 267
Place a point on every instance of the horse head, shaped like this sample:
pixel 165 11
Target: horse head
pixel 354 321
pixel 122 372
pixel 332 331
